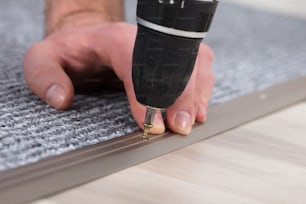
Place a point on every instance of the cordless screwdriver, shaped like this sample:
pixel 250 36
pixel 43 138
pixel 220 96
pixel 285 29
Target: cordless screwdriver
pixel 168 38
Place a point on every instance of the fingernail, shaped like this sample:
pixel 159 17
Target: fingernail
pixel 55 96
pixel 183 122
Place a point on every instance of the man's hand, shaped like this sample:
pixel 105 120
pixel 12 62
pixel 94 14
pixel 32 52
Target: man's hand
pixel 82 57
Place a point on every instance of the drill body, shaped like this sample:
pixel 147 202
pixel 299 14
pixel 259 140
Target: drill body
pixel 166 47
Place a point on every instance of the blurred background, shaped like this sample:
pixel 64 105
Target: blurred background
pixel 285 7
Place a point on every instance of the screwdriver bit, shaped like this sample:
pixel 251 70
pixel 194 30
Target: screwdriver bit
pixel 148 122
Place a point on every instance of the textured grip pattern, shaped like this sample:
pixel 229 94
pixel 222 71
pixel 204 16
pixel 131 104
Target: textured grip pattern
pixel 162 66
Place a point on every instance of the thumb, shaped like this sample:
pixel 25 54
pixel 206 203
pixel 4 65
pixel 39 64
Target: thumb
pixel 46 77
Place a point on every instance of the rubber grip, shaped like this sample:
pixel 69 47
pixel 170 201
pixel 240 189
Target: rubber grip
pixel 162 66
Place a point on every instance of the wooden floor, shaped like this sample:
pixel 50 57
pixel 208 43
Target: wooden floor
pixel 261 162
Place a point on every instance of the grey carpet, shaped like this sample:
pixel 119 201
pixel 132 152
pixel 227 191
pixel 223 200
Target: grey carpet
pixel 254 50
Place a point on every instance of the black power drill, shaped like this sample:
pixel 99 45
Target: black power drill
pixel 167 43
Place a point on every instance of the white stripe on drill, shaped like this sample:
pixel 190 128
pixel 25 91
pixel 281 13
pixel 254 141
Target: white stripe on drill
pixel 171 31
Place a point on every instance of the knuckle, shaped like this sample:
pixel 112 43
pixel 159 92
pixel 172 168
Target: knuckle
pixel 35 48
pixel 33 73
pixel 204 99
pixel 32 69
pixel 120 25
pixel 207 52
pixel 30 53
pixel 186 100
pixel 123 28
pixel 206 84
pixel 206 78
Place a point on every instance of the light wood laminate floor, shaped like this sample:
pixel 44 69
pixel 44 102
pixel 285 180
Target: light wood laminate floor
pixel 261 162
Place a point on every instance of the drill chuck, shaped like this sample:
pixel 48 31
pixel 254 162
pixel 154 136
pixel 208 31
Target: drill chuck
pixel 166 47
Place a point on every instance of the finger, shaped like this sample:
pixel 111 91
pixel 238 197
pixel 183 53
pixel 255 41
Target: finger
pixel 204 82
pixel 181 115
pixel 138 111
pixel 45 76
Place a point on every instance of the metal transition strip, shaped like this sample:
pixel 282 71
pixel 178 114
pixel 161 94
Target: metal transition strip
pixel 77 167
